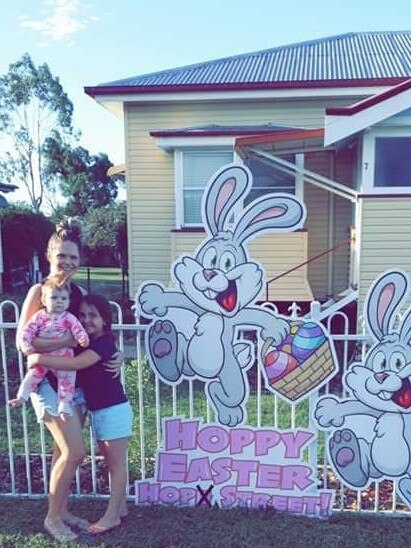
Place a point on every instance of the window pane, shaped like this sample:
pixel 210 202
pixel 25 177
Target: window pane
pixel 267 178
pixel 192 206
pixel 392 161
pixel 199 165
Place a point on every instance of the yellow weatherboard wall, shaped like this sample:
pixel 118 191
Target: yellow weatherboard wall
pixel 385 244
pixel 150 175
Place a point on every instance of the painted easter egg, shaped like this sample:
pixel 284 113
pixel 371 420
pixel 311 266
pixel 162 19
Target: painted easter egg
pixel 278 364
pixel 286 344
pixel 307 340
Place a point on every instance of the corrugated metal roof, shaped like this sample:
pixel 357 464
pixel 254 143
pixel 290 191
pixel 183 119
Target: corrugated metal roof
pixel 351 56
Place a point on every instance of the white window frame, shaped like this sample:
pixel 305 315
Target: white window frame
pixel 177 146
pixel 368 156
pixel 178 176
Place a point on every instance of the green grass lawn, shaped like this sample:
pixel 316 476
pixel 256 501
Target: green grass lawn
pixel 149 417
pixel 104 280
pixel 166 527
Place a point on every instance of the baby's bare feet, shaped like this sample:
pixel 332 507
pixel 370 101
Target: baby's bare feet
pixel 16 402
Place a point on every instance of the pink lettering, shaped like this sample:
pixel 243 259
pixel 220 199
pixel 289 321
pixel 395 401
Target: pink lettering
pixel 221 468
pixel 294 442
pixel 148 492
pixel 169 495
pixel 265 440
pixel 199 469
pixel 269 476
pixel 296 476
pixel 213 439
pixel 244 468
pixel 240 438
pixel 180 435
pixel 171 467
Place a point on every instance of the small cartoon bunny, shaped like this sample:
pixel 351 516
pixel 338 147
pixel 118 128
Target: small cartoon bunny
pixel 380 389
pixel 217 288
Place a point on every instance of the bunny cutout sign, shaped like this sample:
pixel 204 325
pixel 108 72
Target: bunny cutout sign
pixel 377 445
pixel 195 328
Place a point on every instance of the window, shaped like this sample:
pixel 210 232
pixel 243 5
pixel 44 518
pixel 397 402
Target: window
pixel 194 169
pixel 392 162
pixel 267 178
pixel 386 158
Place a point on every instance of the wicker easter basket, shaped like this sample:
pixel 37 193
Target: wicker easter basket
pixel 310 373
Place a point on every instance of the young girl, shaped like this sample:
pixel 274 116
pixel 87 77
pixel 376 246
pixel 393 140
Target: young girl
pixel 110 410
pixel 52 322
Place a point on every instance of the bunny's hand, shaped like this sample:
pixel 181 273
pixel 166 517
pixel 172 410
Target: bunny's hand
pixel 282 329
pixel 329 412
pixel 152 299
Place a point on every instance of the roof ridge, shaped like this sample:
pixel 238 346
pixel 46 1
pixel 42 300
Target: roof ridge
pixel 193 66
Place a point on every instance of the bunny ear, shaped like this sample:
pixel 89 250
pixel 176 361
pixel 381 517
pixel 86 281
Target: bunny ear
pixel 272 213
pixel 383 301
pixel 225 189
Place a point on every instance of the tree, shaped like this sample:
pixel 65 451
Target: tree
pixel 81 177
pixel 32 105
pixel 24 233
pixel 105 232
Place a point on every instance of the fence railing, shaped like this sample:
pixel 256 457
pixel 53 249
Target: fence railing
pixel 25 445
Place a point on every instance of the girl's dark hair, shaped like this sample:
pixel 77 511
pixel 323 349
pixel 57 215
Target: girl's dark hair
pixel 103 307
pixel 65 231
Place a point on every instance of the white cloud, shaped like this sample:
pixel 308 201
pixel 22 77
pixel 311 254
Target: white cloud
pixel 63 19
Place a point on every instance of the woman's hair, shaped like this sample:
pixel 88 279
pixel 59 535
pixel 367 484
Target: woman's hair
pixel 65 231
pixel 103 307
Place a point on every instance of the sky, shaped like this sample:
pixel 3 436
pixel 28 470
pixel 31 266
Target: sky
pixel 88 42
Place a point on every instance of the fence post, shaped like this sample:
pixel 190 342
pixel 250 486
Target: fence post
pixel 315 310
pixel 88 280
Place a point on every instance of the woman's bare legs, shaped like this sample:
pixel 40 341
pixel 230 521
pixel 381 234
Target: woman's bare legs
pixel 68 438
pixel 115 455
pixel 68 517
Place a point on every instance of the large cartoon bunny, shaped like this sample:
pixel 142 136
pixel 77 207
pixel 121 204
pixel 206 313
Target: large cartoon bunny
pixel 216 290
pixel 380 389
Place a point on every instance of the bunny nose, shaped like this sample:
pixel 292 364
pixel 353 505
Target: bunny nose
pixel 209 274
pixel 381 377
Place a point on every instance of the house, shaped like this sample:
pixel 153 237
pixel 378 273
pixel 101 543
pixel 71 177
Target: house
pixel 288 113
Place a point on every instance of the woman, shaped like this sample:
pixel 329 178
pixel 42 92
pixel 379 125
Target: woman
pixel 111 413
pixel 63 254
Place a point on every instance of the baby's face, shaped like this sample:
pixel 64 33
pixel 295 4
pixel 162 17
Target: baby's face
pixel 56 300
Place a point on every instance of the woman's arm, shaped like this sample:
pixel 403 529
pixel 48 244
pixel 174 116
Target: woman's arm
pixel 82 361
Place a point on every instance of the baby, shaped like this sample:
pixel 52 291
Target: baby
pixel 51 323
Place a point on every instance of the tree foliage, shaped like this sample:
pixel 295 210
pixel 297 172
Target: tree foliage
pixel 81 177
pixel 24 232
pixel 105 232
pixel 32 105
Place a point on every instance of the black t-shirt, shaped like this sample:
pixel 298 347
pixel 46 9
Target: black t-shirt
pixel 101 389
pixel 76 296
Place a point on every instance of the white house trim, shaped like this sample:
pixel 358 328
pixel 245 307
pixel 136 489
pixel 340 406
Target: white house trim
pixel 114 103
pixel 173 143
pixel 338 127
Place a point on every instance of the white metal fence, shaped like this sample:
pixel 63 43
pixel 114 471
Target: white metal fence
pixel 25 446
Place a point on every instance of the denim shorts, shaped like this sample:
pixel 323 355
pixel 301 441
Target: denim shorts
pixel 45 399
pixel 112 423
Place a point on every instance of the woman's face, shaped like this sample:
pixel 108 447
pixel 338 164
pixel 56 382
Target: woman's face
pixel 91 319
pixel 64 259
